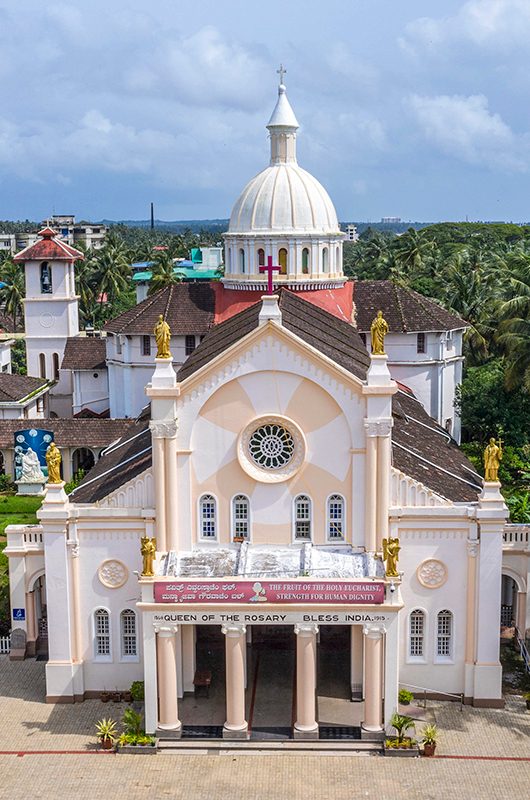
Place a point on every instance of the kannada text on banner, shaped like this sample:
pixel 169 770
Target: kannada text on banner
pixel 343 592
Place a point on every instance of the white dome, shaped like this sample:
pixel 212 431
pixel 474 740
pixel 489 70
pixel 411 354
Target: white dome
pixel 284 198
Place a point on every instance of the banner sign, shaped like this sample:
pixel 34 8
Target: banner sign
pixel 272 617
pixel 276 592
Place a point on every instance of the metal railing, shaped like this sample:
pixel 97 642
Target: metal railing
pixel 523 649
pixel 455 696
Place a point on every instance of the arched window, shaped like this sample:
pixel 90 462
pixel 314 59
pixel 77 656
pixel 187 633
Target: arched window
pixel 230 266
pixel 444 635
pixel 282 260
pixel 240 517
pixel 302 517
pixel 129 647
pixel 46 278
pixel 417 633
pixel 336 517
pixel 261 257
pixel 325 260
pixel 207 517
pixel 55 362
pixel 305 261
pixel 241 260
pixel 337 259
pixel 101 633
pixel 42 365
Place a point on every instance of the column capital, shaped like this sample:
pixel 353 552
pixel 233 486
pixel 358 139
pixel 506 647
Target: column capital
pixel 309 629
pixel 472 547
pixel 163 430
pixel 165 630
pixel 373 631
pixel 378 427
pixel 73 546
pixel 233 631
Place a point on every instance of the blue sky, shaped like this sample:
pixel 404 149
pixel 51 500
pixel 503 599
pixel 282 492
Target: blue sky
pixel 411 109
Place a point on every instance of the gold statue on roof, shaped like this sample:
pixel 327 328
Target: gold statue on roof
pixel 148 550
pixel 492 460
pixel 53 460
pixel 163 338
pixel 378 331
pixel 391 550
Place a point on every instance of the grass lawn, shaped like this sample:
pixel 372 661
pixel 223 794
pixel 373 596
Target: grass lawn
pixel 16 510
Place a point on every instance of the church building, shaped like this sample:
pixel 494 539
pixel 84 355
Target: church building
pixel 284 512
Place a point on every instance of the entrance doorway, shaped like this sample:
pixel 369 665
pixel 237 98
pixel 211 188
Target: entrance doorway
pixel 41 618
pixel 271 685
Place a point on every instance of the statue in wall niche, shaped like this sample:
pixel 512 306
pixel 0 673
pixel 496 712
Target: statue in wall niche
pixel 378 331
pixel 53 460
pixel 391 550
pixel 31 471
pixel 492 460
pixel 162 333
pixel 148 550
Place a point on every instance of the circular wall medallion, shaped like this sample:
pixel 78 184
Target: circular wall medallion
pixel 432 573
pixel 113 573
pixel 46 320
pixel 271 449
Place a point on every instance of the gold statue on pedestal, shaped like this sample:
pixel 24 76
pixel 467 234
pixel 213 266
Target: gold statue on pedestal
pixel 391 550
pixel 148 550
pixel 53 460
pixel 162 333
pixel 492 460
pixel 378 331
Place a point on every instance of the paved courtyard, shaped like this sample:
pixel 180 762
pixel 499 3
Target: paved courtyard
pixel 480 740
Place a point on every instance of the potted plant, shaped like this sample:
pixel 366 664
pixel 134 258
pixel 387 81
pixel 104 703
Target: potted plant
pixel 104 696
pixel 134 738
pixel 429 737
pixel 116 696
pixel 106 732
pixel 401 745
pixel 405 697
pixel 527 698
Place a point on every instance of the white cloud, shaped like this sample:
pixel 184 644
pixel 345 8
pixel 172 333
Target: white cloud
pixel 465 128
pixel 492 23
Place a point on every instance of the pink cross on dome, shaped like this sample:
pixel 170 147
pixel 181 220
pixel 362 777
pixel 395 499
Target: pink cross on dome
pixel 269 269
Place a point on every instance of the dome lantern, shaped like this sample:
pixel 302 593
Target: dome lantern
pixel 284 213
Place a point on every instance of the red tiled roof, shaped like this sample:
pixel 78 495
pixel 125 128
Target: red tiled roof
pixel 48 249
pixel 229 302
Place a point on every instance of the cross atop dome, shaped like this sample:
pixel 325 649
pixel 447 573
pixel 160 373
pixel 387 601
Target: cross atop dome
pixel 281 72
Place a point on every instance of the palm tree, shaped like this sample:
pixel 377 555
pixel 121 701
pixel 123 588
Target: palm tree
pixel 112 274
pixel 412 250
pixel 163 272
pixel 12 293
pixel 514 320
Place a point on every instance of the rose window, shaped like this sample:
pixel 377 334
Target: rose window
pixel 271 446
pixel 271 449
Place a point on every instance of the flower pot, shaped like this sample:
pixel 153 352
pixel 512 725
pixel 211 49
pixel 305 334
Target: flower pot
pixel 104 697
pixel 429 748
pixel 126 696
pixel 116 697
pixel 106 744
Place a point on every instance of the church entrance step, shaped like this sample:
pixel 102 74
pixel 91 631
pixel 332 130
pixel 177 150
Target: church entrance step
pixel 222 747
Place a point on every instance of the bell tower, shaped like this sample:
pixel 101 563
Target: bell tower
pixel 50 312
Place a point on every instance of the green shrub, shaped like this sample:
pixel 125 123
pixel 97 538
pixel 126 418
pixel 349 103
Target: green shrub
pixel 405 697
pixel 132 722
pixel 137 690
